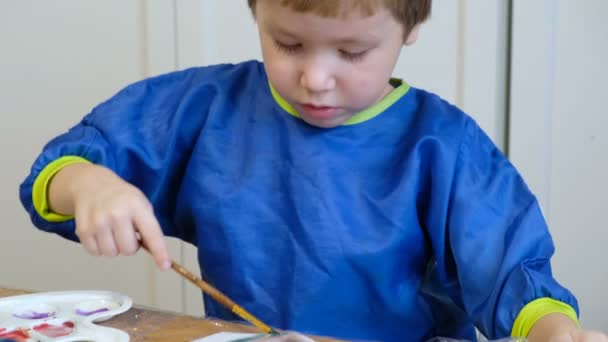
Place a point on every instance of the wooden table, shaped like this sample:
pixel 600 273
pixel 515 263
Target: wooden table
pixel 146 324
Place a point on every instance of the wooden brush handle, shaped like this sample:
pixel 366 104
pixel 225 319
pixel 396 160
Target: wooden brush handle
pixel 221 298
pixel 218 296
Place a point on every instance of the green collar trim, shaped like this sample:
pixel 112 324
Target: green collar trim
pixel 362 116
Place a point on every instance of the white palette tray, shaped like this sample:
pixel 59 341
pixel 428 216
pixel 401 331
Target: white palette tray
pixel 62 316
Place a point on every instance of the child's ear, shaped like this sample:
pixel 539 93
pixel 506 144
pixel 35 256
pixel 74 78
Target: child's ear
pixel 412 36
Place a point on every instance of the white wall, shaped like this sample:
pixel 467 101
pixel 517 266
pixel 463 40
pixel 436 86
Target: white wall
pixel 58 60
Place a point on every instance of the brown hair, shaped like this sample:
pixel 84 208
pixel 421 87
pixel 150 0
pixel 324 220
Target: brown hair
pixel 408 12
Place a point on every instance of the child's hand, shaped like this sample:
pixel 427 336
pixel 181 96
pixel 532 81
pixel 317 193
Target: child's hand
pixel 560 328
pixel 581 336
pixel 109 212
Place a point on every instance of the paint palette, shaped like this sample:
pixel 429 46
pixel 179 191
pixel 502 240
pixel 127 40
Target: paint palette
pixel 62 316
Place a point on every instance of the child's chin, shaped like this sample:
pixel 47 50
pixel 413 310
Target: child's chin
pixel 328 123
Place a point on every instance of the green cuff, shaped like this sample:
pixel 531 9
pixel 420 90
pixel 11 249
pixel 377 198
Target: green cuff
pixel 41 184
pixel 536 310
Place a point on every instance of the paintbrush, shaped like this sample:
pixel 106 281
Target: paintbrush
pixel 218 296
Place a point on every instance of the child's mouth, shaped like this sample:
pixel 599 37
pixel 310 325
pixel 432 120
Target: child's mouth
pixel 319 112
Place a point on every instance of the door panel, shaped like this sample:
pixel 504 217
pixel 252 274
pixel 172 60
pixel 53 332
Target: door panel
pixel 558 136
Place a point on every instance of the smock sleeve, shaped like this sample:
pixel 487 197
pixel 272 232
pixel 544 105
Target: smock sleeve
pixel 144 134
pixel 492 244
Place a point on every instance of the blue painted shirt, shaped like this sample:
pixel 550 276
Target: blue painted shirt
pixel 409 225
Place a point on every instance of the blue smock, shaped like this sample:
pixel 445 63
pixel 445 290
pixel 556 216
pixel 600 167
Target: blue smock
pixel 408 225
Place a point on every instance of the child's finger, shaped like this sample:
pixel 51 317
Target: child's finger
pixel 106 243
pixel 87 239
pixel 153 238
pixel 90 245
pixel 86 236
pixel 125 238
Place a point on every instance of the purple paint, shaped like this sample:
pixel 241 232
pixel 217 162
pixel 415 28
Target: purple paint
pixel 33 315
pixel 89 313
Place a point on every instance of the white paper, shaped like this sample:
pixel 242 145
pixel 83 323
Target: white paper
pixel 225 337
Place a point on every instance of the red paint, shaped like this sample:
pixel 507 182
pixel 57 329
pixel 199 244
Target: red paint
pixel 55 330
pixel 17 335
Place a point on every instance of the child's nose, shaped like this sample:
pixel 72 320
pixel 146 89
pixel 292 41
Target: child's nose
pixel 317 78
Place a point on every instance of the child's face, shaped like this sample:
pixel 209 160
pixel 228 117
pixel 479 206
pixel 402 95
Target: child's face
pixel 329 69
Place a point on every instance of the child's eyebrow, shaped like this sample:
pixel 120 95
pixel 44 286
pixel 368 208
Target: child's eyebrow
pixel 351 41
pixel 339 41
pixel 281 31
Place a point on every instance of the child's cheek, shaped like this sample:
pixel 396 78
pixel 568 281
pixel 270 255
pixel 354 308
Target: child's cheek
pixel 282 76
pixel 363 83
pixel 362 89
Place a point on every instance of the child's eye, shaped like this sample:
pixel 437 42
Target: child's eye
pixel 287 48
pixel 353 56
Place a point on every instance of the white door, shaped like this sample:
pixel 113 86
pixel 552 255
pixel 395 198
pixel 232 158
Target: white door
pixel 558 136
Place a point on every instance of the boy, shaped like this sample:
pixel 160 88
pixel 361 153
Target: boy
pixel 323 196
